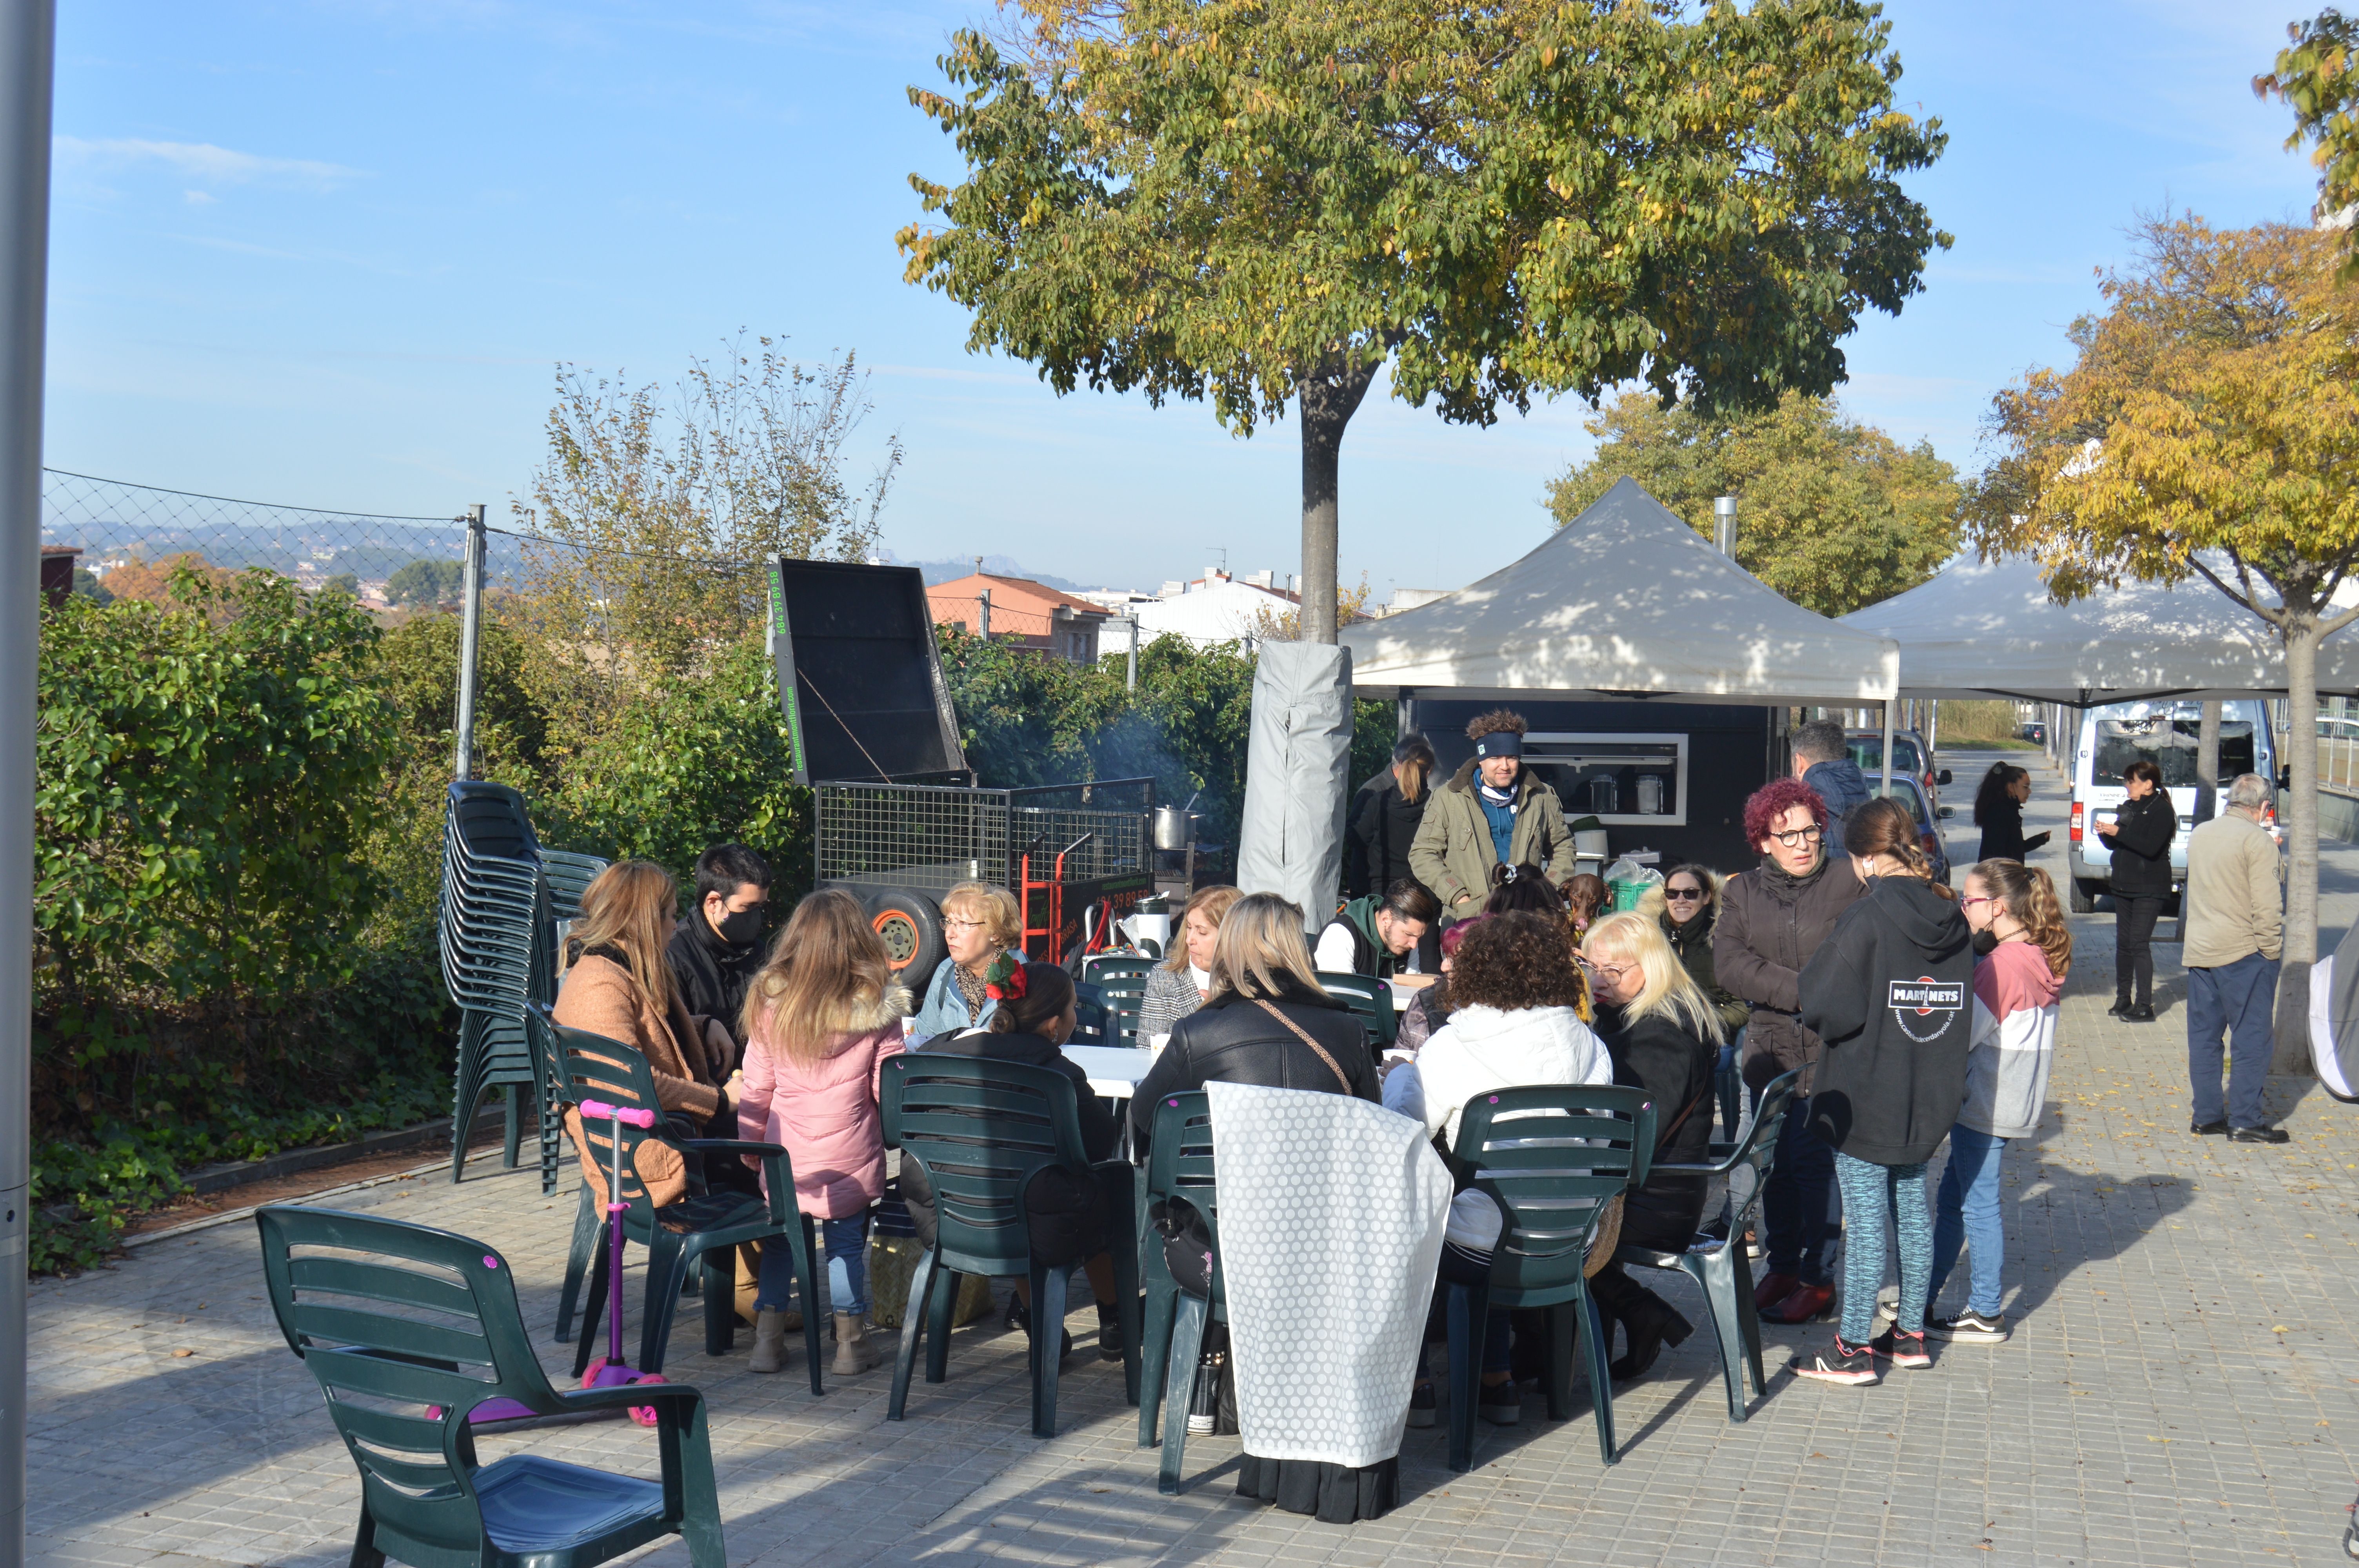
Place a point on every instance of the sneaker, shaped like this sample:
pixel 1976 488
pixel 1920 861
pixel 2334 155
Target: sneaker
pixel 1501 1404
pixel 1887 1306
pixel 1902 1348
pixel 1422 1408
pixel 1839 1363
pixel 1969 1327
pixel 1203 1406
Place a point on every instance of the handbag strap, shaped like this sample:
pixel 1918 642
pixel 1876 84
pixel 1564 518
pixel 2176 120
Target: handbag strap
pixel 1304 1035
pixel 1663 1140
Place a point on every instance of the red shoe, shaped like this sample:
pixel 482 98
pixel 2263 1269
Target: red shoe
pixel 1773 1289
pixel 1806 1304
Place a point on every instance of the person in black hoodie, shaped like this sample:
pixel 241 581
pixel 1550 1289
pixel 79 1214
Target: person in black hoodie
pixel 1663 1033
pixel 1890 992
pixel 1064 1211
pixel 1381 825
pixel 716 948
pixel 2139 837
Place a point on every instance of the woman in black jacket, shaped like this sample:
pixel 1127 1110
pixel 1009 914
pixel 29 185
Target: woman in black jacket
pixel 1064 1211
pixel 1999 812
pixel 1890 992
pixel 1663 1033
pixel 1384 820
pixel 2139 837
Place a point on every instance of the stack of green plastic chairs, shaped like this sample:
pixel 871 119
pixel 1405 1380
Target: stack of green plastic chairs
pixel 498 944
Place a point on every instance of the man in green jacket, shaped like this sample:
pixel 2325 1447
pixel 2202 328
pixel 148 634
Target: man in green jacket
pixel 1491 812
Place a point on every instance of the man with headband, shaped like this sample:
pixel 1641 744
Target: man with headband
pixel 1491 812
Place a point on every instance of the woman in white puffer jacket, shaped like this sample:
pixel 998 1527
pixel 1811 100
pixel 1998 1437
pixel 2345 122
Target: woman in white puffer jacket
pixel 1518 1001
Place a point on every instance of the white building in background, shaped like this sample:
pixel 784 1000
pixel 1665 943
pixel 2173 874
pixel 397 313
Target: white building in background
pixel 1216 608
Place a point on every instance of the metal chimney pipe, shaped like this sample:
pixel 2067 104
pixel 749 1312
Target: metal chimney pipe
pixel 1723 525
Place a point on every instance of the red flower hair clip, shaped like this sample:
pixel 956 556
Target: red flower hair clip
pixel 1004 981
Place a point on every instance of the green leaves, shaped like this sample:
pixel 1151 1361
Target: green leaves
pixel 1206 197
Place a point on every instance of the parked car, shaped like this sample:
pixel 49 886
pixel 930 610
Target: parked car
pixel 2164 733
pixel 1910 755
pixel 1908 790
pixel 2036 732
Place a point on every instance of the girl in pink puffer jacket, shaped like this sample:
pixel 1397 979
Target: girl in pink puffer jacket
pixel 821 1018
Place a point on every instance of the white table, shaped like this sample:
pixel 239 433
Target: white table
pixel 1114 1070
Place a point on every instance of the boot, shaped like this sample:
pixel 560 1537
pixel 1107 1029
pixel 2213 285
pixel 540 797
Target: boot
pixel 1648 1322
pixel 769 1342
pixel 854 1353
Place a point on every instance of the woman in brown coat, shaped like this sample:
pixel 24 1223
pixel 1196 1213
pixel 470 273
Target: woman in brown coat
pixel 618 985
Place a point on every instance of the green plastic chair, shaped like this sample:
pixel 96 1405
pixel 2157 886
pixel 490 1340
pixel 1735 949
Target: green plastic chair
pixel 1112 969
pixel 703 1224
pixel 1180 1165
pixel 982 1129
pixel 1371 1001
pixel 407 1330
pixel 1722 1270
pixel 1551 1156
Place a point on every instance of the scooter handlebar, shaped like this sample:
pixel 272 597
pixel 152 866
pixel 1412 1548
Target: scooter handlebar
pixel 601 1111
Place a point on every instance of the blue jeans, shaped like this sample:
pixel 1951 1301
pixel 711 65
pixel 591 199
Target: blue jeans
pixel 2238 1000
pixel 1801 1211
pixel 847 1267
pixel 1967 1214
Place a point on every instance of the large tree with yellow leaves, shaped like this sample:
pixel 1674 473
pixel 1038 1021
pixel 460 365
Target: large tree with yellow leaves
pixel 2208 428
pixel 1264 202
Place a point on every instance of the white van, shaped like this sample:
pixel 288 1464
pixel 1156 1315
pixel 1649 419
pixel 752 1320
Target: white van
pixel 2163 732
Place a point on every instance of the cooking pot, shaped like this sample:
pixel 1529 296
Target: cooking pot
pixel 1175 828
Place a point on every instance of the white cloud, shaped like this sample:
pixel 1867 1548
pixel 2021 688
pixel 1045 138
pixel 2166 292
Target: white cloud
pixel 207 164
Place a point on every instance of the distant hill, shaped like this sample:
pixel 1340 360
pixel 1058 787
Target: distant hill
pixel 997 565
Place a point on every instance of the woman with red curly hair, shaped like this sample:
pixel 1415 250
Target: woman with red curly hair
pixel 1772 919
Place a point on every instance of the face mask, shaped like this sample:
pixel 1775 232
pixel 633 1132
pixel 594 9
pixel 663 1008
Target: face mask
pixel 741 926
pixel 1985 940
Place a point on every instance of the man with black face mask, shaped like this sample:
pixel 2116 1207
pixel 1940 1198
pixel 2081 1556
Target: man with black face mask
pixel 717 945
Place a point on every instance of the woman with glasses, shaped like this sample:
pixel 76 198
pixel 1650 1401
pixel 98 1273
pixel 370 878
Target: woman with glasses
pixel 1686 908
pixel 1772 919
pixel 1663 1033
pixel 979 922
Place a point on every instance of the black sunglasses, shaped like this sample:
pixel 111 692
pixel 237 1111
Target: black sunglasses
pixel 1683 893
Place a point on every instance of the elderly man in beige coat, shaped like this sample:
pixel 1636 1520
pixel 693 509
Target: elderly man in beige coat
pixel 2235 926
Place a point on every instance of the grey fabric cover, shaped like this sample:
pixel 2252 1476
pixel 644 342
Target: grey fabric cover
pixel 1298 776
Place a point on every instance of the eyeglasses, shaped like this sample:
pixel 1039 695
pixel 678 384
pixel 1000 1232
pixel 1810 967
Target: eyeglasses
pixel 950 922
pixel 1966 902
pixel 1683 893
pixel 1611 972
pixel 1800 836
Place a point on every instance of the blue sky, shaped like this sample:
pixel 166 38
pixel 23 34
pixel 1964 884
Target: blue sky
pixel 329 253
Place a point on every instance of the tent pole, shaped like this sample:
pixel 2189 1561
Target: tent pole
pixel 1888 703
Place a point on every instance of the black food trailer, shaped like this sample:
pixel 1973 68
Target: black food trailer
pixel 898 816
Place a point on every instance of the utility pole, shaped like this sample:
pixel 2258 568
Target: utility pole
pixel 1130 676
pixel 983 621
pixel 471 628
pixel 27 53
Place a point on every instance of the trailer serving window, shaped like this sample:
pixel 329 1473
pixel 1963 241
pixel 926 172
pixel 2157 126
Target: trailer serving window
pixel 1630 780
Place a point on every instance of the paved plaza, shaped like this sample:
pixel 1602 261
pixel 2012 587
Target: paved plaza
pixel 2181 1388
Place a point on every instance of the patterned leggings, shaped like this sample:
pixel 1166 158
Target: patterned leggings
pixel 1870 1194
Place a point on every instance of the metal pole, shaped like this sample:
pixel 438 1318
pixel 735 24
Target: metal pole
pixel 1723 525
pixel 470 625
pixel 1888 745
pixel 28 51
pixel 983 621
pixel 1130 679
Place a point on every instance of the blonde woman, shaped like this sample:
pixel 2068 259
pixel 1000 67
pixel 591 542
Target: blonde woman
pixel 1264 990
pixel 618 985
pixel 979 922
pixel 1183 982
pixel 820 1020
pixel 1664 1034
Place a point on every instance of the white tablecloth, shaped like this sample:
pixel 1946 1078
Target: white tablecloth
pixel 1114 1070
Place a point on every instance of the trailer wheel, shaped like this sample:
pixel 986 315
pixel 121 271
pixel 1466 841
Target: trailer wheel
pixel 911 927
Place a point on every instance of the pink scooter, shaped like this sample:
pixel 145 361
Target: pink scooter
pixel 610 1371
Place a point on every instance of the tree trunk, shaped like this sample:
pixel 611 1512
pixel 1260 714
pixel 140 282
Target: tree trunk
pixel 1329 395
pixel 2300 741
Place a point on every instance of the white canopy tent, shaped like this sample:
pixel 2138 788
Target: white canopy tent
pixel 1626 600
pixel 1989 629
